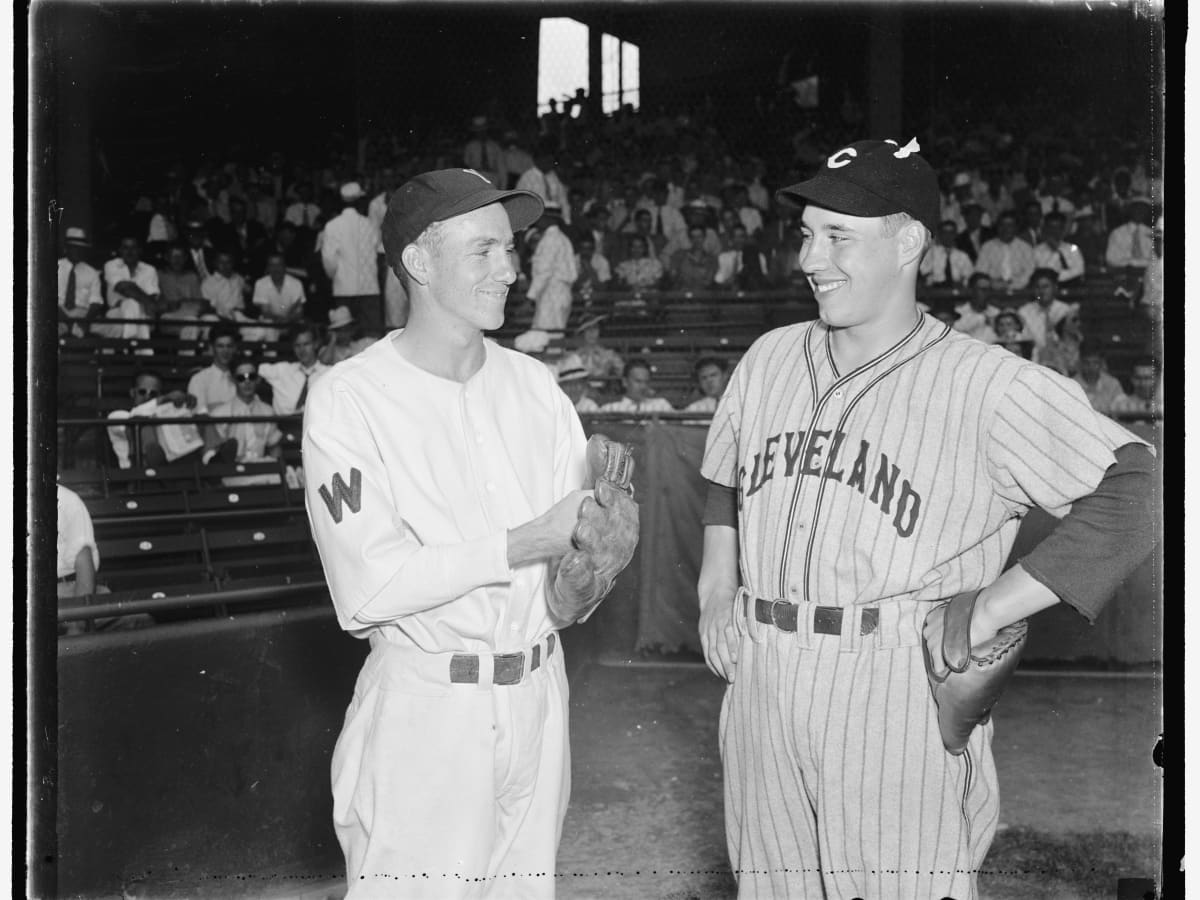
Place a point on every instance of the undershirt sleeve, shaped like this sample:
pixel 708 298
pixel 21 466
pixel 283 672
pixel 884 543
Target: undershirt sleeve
pixel 1106 535
pixel 720 505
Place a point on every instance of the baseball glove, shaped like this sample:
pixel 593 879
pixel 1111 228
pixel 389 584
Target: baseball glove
pixel 605 535
pixel 974 677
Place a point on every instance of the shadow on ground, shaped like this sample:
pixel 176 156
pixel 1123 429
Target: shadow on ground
pixel 1080 806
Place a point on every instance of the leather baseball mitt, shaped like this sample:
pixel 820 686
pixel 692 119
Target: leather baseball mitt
pixel 974 677
pixel 605 535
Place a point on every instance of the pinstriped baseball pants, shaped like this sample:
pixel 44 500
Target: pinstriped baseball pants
pixel 836 781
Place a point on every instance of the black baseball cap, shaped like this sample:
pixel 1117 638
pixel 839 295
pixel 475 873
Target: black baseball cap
pixel 873 178
pixel 443 194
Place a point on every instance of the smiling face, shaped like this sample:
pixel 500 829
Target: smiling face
pixel 852 266
pixel 470 273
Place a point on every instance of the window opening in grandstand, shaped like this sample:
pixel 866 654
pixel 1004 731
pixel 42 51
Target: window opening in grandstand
pixel 620 74
pixel 562 62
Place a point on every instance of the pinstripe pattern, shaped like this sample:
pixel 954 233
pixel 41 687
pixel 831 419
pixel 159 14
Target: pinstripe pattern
pixel 898 484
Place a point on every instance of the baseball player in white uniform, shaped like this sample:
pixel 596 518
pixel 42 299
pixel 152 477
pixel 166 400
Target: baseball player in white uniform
pixel 442 483
pixel 863 468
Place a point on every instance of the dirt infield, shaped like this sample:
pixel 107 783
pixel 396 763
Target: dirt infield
pixel 1080 808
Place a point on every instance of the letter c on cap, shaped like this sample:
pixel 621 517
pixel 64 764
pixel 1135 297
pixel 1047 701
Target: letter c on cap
pixel 836 161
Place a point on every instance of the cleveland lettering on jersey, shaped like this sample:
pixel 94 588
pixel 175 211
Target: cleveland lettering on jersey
pixel 351 496
pixel 821 457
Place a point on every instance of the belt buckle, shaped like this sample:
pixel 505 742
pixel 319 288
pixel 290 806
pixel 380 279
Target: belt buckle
pixel 775 609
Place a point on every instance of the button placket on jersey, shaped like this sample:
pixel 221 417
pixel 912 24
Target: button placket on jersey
pixel 485 479
pixel 826 417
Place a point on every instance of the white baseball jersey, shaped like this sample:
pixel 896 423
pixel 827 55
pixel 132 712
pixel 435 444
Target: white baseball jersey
pixel 879 490
pixel 412 482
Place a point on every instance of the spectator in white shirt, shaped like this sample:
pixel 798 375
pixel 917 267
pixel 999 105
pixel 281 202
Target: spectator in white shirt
pixel 482 153
pixel 278 295
pixel 350 248
pixel 1102 389
pixel 1045 311
pixel 1006 258
pixel 1055 253
pixel 943 264
pixel 553 272
pixel 1147 396
pixel 541 179
pixel 79 294
pixel 1131 246
pixel 1052 200
pixel 132 292
pixel 214 384
pixel 291 381
pixel 257 441
pixel 517 160
pixel 639 394
pixel 976 313
pixel 225 289
pixel 303 213
pixel 712 376
pixel 732 268
pixel 163 444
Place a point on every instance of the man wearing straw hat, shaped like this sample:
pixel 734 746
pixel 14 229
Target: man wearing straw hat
pixel 79 294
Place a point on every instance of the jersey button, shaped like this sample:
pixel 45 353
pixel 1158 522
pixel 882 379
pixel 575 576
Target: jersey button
pixel 837 394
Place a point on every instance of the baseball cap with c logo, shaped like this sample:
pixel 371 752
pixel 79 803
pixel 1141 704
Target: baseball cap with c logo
pixel 870 179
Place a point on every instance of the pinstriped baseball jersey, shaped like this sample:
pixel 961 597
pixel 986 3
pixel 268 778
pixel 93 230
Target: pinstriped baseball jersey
pixel 904 479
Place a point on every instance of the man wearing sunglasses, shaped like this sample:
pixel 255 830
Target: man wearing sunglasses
pixel 252 441
pixel 162 444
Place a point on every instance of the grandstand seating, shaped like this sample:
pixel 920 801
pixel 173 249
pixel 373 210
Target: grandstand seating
pixel 180 531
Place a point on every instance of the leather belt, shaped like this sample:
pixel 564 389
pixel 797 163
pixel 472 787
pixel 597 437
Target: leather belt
pixel 826 619
pixel 507 668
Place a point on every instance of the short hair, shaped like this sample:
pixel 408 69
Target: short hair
pixel 1044 273
pixel 148 373
pixel 430 240
pixel 1091 348
pixel 947 222
pixel 1031 204
pixel 302 327
pixel 893 222
pixel 977 277
pixel 705 361
pixel 1007 216
pixel 1054 218
pixel 224 329
pixel 635 364
pixel 248 359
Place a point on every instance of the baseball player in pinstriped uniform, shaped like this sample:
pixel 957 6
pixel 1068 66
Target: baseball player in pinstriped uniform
pixel 864 468
pixel 442 481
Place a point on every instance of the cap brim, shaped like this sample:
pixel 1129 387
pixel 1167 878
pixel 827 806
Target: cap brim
pixel 523 207
pixel 840 196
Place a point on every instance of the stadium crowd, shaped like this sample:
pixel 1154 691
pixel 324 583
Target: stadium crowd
pixel 642 210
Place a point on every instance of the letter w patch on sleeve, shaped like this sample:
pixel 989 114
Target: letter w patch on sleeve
pixel 352 496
